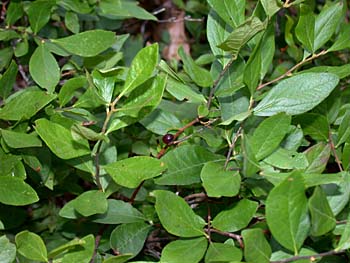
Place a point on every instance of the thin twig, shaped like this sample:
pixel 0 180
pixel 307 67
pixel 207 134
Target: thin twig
pixel 216 82
pixel 136 191
pixel 230 235
pixel 177 20
pixel 97 241
pixel 336 157
pixel 312 258
pixel 232 146
pixel 290 71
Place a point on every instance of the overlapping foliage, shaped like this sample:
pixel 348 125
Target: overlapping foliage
pixel 257 169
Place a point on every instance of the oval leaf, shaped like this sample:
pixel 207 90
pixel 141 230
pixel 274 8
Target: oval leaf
pixel 176 216
pixel 90 203
pixel 297 94
pixel 31 246
pixel 132 171
pixel 256 247
pixel 8 250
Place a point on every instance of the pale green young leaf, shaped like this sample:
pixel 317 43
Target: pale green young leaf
pixel 88 43
pixel 269 134
pixel 44 69
pixel 297 94
pixel 176 215
pixel 31 246
pixel 191 250
pixel 322 218
pixel 237 217
pixel 217 182
pixel 14 191
pixel 185 164
pixel 60 141
pixel 256 247
pixel 286 212
pixel 129 238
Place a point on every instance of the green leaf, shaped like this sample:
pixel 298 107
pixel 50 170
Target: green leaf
pixel 176 216
pixel 14 191
pixel 63 248
pixel 71 21
pixel 191 250
pixel 118 259
pixel 24 105
pixel 271 7
pixel 287 159
pixel 327 22
pixel 31 246
pixel 256 247
pixel 219 252
pixel 305 29
pixel 250 163
pixel 313 124
pixel 252 70
pixel 44 69
pixel 322 218
pixel 297 94
pixel 141 68
pixel 182 91
pixel 317 156
pixel 8 79
pixel 236 217
pixel 231 11
pixel 14 12
pixel 344 129
pixel 199 75
pixel 344 242
pixel 217 182
pixel 342 41
pixel 90 203
pixel 8 250
pixel 88 43
pixel 286 212
pixel 132 171
pixel 8 162
pixel 81 254
pixel 160 122
pixel 104 85
pixel 269 134
pixel 185 164
pixel 129 238
pixel 60 141
pixel 69 87
pixel 241 35
pixel 20 140
pixel 119 212
pixel 39 13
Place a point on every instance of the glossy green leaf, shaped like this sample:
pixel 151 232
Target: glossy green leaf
pixel 217 182
pixel 271 7
pixel 191 250
pixel 313 124
pixel 327 22
pixel 60 141
pixel 14 191
pixel 241 35
pixel 344 129
pixel 305 29
pixel 269 134
pixel 8 250
pixel 44 69
pixel 20 140
pixel 176 216
pixel 104 85
pixel 81 254
pixel 231 11
pixel 236 217
pixel 31 246
pixel 199 75
pixel 88 43
pixel 132 171
pixel 286 212
pixel 322 218
pixel 317 156
pixel 119 212
pixel 297 94
pixel 8 79
pixel 185 164
pixel 256 247
pixel 39 13
pixel 219 252
pixel 24 105
pixel 129 238
pixel 90 203
pixel 141 68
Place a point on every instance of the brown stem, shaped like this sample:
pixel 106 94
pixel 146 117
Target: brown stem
pixel 232 146
pixel 290 71
pixel 311 258
pixel 136 191
pixel 216 83
pixel 336 157
pixel 230 235
pixel 97 241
